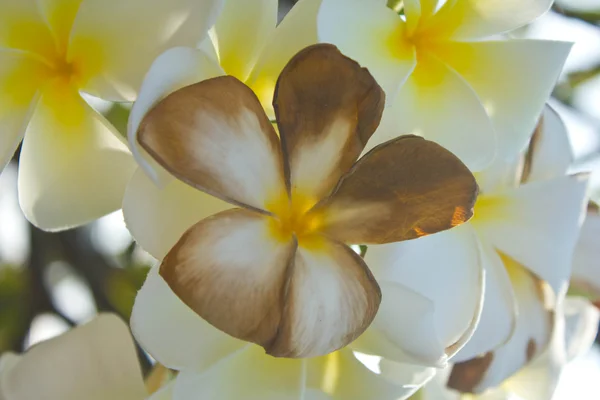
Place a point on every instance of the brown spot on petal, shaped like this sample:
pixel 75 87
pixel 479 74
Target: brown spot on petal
pixel 465 376
pixel 531 348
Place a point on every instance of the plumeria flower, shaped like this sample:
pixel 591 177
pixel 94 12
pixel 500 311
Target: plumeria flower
pixel 277 271
pixel 574 332
pixel 448 73
pixel 215 366
pixel 158 215
pixel 585 278
pixel 95 361
pixel 246 43
pixel 74 165
pixel 525 235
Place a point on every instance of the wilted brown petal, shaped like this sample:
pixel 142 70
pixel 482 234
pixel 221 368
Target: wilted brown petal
pixel 215 136
pixel 327 108
pixel 403 189
pixel 234 272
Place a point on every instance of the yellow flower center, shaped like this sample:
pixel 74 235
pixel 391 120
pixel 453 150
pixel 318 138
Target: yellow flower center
pixel 294 218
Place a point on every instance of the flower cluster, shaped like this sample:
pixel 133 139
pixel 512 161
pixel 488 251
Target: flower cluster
pixel 259 156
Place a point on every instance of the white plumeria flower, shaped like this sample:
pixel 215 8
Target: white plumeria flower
pixel 574 333
pixel 446 75
pixel 585 277
pixel 277 271
pixel 95 361
pixel 246 43
pixel 524 236
pixel 171 209
pixel 216 366
pixel 74 165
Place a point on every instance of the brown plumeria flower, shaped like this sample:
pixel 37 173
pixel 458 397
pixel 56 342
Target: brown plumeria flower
pixel 277 271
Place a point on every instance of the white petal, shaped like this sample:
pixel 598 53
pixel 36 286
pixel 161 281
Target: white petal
pixel 498 71
pixel 404 328
pixel 172 333
pixel 21 76
pixel 581 326
pixel 531 337
pixel 297 31
pixel 538 225
pixel 342 376
pixel 73 167
pixel 241 31
pixel 470 19
pixel 438 267
pixel 158 216
pixel 172 70
pixel 586 260
pixel 371 34
pixel 248 374
pixel 552 153
pixel 498 317
pixel 114 42
pixel 96 361
pixel 434 103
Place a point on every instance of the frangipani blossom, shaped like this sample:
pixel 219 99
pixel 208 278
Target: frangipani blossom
pixel 525 236
pixel 95 361
pixel 215 366
pixel 574 332
pixel 246 43
pixel 277 271
pixel 448 75
pixel 74 165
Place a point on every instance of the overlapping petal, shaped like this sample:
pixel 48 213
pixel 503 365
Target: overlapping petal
pixel 372 34
pixel 473 19
pixel 21 76
pixel 327 108
pixel 531 337
pixel 343 377
pixel 420 189
pixel 498 71
pixel 438 267
pixel 22 27
pixel 586 260
pixel 241 31
pixel 113 53
pixel 257 377
pixel 172 70
pixel 498 317
pixel 297 31
pixel 428 105
pixel 59 15
pixel 73 168
pixel 96 361
pixel 158 216
pixel 235 155
pixel 172 333
pixel 537 225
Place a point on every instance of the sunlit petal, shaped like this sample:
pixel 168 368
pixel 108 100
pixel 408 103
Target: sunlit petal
pixel 249 374
pixel 470 19
pixel 73 168
pixel 114 42
pixel 434 103
pixel 241 31
pixel 531 337
pixel 498 71
pixel 537 225
pixel 20 78
pixel 371 34
pixel 453 258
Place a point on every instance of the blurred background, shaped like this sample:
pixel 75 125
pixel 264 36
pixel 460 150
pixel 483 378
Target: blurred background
pixel 51 281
